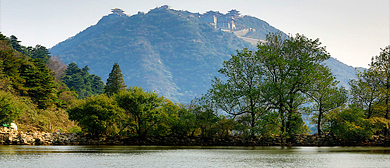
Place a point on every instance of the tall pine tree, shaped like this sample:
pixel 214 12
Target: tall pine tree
pixel 115 81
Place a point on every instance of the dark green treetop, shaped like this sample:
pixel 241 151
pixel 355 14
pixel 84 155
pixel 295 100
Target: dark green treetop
pixel 82 81
pixel 115 81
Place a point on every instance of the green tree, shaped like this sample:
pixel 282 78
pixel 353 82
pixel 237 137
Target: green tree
pixel 84 83
pixel 143 109
pixel 15 43
pixel 206 118
pixel 39 82
pixel 290 65
pixel 11 70
pixel 381 66
pixel 11 108
pixel 325 95
pixel 115 81
pixel 365 91
pixel 185 125
pixel 350 124
pixel 241 93
pixel 96 114
pixel 41 53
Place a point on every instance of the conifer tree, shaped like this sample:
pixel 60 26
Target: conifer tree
pixel 115 81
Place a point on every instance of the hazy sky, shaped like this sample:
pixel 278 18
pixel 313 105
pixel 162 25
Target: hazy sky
pixel 352 30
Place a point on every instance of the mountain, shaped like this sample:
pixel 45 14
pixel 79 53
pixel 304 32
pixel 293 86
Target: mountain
pixel 341 71
pixel 175 53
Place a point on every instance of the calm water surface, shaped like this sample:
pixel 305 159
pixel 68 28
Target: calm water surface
pixel 157 156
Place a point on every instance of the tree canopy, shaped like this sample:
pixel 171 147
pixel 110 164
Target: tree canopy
pixel 81 81
pixel 115 81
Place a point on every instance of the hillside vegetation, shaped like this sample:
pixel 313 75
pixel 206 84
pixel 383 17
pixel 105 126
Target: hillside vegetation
pixel 29 92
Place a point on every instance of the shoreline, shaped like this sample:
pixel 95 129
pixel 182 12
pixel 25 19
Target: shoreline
pixel 12 137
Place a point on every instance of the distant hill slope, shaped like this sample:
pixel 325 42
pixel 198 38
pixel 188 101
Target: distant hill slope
pixel 175 53
pixel 341 71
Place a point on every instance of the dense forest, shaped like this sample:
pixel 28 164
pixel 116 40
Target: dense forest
pixel 31 93
pixel 263 93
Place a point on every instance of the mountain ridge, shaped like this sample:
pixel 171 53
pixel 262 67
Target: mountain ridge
pixel 175 53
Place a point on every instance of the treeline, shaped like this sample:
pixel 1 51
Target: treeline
pixel 266 92
pixel 263 93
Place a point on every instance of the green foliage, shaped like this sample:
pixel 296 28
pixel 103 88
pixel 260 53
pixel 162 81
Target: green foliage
pixel 205 116
pixel 269 125
pixel 143 109
pixel 350 124
pixel 380 67
pixel 240 94
pixel 96 115
pixel 39 52
pixel 28 77
pixel 224 126
pixel 84 83
pixel 325 95
pixel 371 91
pixel 15 43
pixel 11 108
pixel 115 81
pixel 378 124
pixel 290 66
pixel 10 68
pixel 184 123
pixel 39 82
pixel 343 73
pixel 32 87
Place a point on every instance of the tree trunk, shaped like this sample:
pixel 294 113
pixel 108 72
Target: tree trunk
pixel 369 111
pixel 253 119
pixel 319 120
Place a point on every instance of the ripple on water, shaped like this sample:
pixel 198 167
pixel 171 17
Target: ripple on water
pixel 159 156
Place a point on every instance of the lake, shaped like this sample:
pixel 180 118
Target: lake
pixel 161 156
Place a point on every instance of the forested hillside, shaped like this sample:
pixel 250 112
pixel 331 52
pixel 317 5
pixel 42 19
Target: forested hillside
pixel 30 94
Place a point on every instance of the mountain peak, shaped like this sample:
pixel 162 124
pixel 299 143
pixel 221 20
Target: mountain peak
pixel 118 11
pixel 175 53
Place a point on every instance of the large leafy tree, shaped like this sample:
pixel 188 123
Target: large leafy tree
pixel 290 65
pixel 241 93
pixel 365 91
pixel 115 81
pixel 381 66
pixel 325 95
pixel 143 109
pixel 96 114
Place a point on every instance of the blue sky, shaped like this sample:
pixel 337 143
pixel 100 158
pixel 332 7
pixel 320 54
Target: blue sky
pixel 352 30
